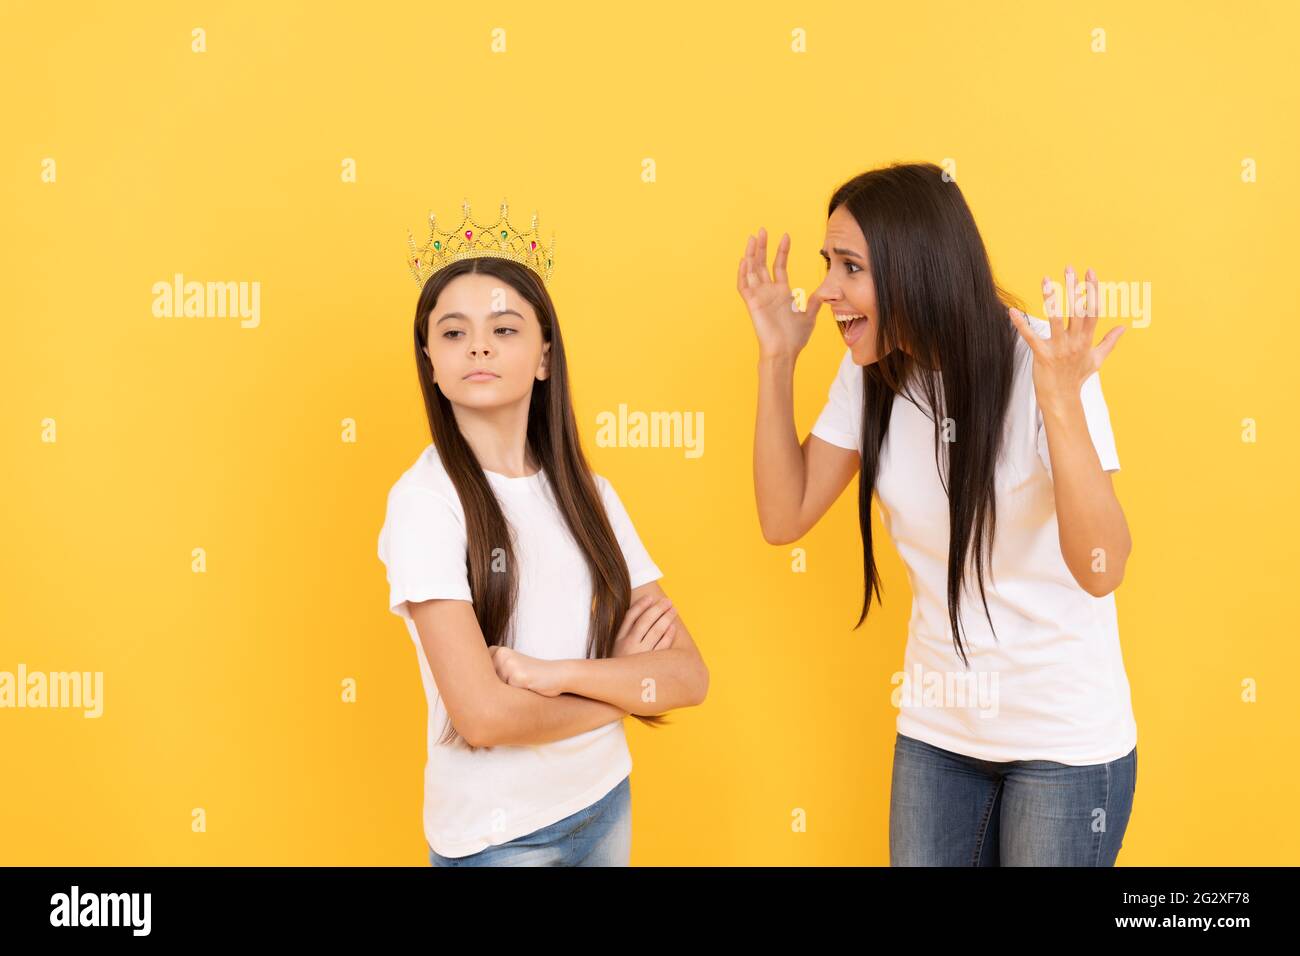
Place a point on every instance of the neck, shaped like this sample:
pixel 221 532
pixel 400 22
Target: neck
pixel 499 437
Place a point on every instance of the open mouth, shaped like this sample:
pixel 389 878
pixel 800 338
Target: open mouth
pixel 851 326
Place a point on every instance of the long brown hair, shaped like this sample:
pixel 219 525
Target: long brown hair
pixel 935 294
pixel 552 435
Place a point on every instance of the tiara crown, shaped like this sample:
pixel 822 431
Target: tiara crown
pixel 473 240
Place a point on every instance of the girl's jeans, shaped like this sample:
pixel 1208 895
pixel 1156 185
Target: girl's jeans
pixel 947 809
pixel 598 835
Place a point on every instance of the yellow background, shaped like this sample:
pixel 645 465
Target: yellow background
pixel 222 690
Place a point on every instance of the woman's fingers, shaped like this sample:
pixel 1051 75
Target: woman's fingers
pixel 1108 343
pixel 814 305
pixel 1091 305
pixel 782 253
pixel 1052 309
pixel 1072 302
pixel 761 254
pixel 1022 326
pixel 754 272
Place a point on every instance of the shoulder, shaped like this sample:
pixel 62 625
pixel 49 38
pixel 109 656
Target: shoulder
pixel 422 516
pixel 604 487
pixel 425 477
pixel 609 498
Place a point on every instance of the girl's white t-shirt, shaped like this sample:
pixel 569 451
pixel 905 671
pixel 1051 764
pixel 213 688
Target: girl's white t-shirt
pixel 1052 685
pixel 473 800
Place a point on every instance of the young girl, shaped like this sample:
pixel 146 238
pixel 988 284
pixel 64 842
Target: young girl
pixel 534 607
pixel 1016 743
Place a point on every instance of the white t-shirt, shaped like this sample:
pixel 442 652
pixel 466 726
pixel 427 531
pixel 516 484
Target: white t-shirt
pixel 1052 685
pixel 473 800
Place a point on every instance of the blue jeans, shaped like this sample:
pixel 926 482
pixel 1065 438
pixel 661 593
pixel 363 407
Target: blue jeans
pixel 598 835
pixel 947 809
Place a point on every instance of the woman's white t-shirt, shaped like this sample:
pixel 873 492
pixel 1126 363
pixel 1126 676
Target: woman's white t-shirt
pixel 1052 685
pixel 473 800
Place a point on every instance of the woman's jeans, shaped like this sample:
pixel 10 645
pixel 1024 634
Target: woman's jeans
pixel 598 835
pixel 947 809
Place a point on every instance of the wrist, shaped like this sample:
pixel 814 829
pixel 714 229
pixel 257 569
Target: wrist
pixel 778 361
pixel 1061 406
pixel 563 675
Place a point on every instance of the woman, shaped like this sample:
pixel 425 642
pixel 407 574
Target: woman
pixel 535 610
pixel 1016 743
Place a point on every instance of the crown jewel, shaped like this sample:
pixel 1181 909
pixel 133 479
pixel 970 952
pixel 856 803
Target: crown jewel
pixel 472 240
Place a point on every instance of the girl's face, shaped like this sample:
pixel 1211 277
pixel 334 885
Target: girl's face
pixel 485 342
pixel 848 288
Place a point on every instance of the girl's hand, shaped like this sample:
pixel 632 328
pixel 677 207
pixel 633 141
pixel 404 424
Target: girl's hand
pixel 1063 362
pixel 648 626
pixel 782 330
pixel 531 673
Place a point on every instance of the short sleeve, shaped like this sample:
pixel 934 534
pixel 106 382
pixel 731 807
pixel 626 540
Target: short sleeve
pixel 640 568
pixel 840 421
pixel 1095 413
pixel 422 545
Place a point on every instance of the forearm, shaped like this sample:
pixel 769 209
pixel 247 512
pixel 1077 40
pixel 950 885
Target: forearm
pixel 520 717
pixel 642 684
pixel 778 458
pixel 1093 532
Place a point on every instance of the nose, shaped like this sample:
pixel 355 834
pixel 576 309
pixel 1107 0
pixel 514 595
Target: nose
pixel 828 292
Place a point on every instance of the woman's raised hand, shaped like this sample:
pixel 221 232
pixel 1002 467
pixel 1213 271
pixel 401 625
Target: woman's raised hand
pixel 782 330
pixel 1063 362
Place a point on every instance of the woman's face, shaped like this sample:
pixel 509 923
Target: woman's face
pixel 485 342
pixel 848 289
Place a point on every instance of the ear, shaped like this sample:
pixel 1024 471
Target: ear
pixel 544 366
pixel 433 375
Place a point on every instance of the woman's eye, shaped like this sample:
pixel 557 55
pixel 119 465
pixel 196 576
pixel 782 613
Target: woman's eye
pixel 506 328
pixel 853 267
pixel 450 332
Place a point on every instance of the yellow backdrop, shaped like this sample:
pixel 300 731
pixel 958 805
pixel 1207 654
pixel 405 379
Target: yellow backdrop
pixel 186 513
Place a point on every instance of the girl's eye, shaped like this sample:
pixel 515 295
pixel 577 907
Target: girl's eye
pixel 454 333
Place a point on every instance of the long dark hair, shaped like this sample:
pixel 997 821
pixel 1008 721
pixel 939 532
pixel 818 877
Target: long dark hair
pixel 552 435
pixel 936 295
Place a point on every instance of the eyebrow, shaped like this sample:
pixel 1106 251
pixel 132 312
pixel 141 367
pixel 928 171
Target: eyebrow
pixel 491 315
pixel 847 253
